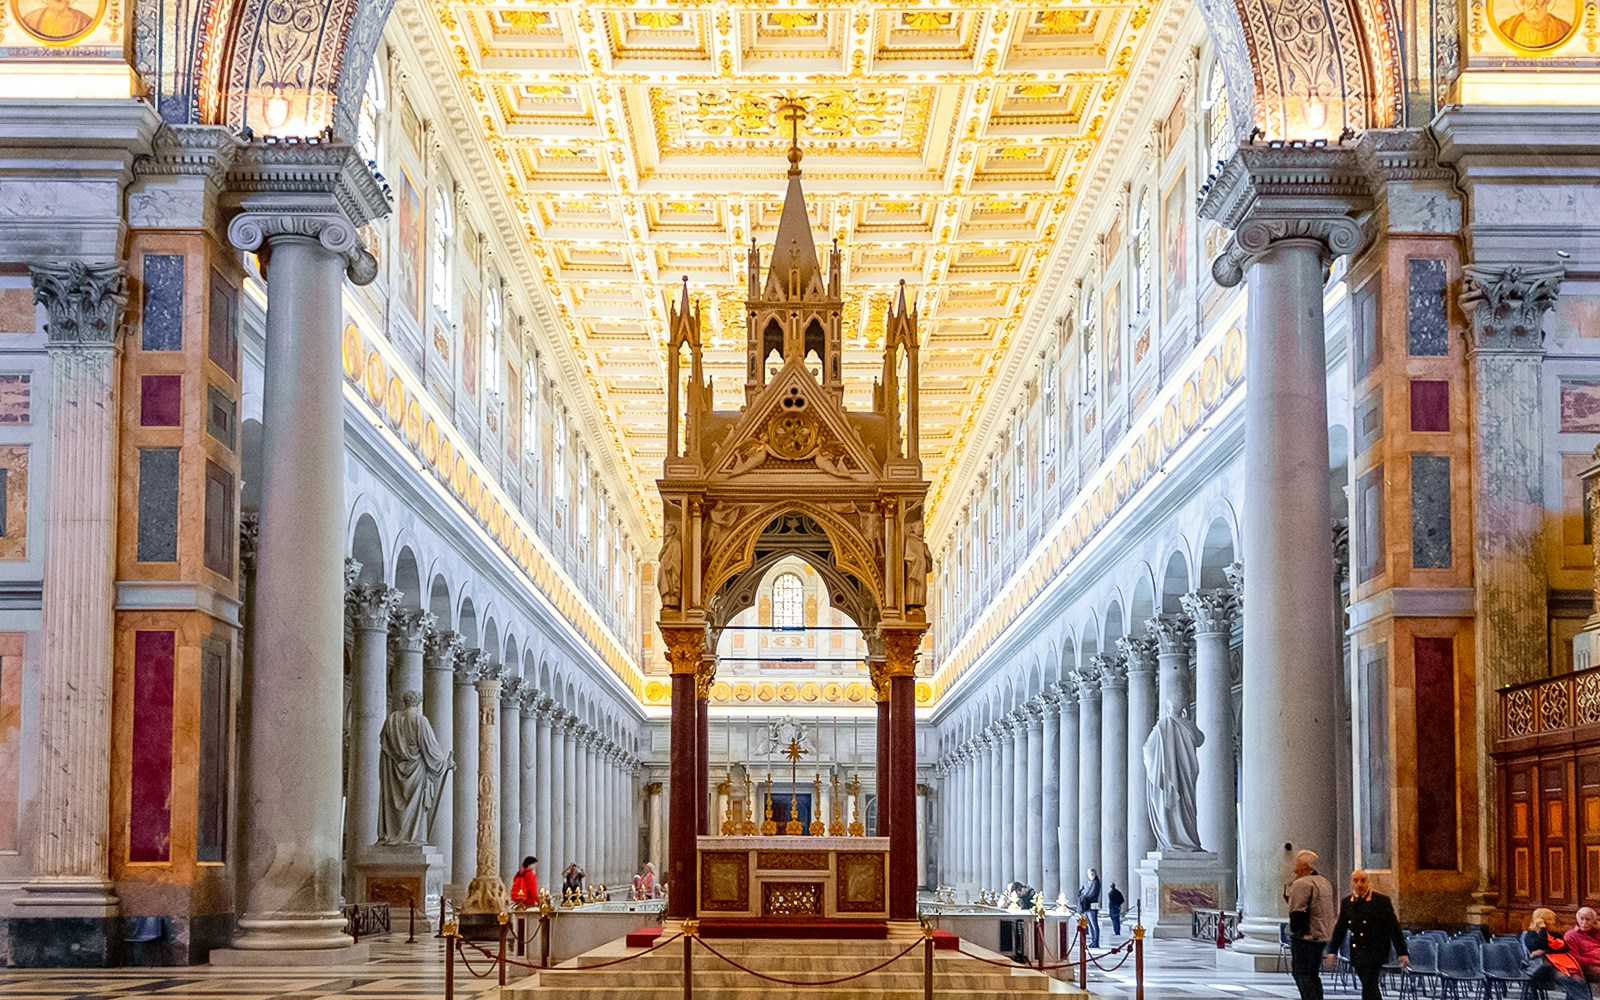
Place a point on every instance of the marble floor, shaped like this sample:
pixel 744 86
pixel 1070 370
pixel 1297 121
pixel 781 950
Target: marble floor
pixel 397 971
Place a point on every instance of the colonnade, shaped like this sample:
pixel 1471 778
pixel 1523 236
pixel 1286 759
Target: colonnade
pixel 1057 785
pixel 566 792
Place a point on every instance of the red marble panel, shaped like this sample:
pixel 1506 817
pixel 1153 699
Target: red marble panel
pixel 150 812
pixel 1434 659
pixel 1430 405
pixel 160 400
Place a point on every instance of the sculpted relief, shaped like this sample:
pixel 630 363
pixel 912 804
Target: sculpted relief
pixel 1534 26
pixel 58 22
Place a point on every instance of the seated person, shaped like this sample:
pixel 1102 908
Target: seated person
pixel 1583 942
pixel 1556 966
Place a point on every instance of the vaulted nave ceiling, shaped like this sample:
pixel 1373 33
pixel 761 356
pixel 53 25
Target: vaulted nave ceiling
pixel 943 147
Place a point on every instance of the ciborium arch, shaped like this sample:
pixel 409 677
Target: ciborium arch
pixel 793 472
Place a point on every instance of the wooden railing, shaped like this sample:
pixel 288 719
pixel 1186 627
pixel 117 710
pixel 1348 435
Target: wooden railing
pixel 362 920
pixel 1203 924
pixel 1553 705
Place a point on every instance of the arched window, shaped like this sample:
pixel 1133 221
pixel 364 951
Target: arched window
pixel 788 602
pixel 1141 258
pixel 444 234
pixel 367 117
pixel 1219 131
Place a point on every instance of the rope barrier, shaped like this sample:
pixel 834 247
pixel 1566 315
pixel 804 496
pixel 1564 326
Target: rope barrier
pixel 806 982
pixel 1008 964
pixel 1126 949
pixel 475 973
pixel 581 968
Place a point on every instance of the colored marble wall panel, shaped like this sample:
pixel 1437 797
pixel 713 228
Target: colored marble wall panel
pixel 150 784
pixel 1430 405
pixel 222 417
pixel 10 735
pixel 222 343
pixel 1369 555
pixel 16 398
pixel 1434 659
pixel 1580 406
pixel 212 811
pixel 220 530
pixel 1427 321
pixel 17 310
pixel 162 318
pixel 160 400
pixel 13 501
pixel 1369 421
pixel 1430 512
pixel 1364 329
pixel 1373 732
pixel 158 505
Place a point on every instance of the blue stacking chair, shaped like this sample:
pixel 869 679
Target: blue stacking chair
pixel 1423 969
pixel 1502 966
pixel 1461 969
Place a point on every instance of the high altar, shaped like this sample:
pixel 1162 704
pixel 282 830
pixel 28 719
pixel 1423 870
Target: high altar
pixel 793 473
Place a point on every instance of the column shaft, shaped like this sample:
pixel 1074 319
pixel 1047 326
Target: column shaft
pixel 885 774
pixel 1006 812
pixel 1141 719
pixel 994 811
pixel 438 705
pixel 903 797
pixel 464 804
pixel 1050 810
pixel 549 868
pixel 1114 772
pixel 1089 853
pixel 567 819
pixel 1215 796
pixel 683 813
pixel 1035 835
pixel 582 802
pixel 527 842
pixel 1070 844
pixel 486 893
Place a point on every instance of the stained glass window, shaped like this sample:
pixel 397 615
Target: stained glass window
pixel 788 602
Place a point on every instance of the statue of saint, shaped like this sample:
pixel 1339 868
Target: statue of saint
pixel 671 559
pixel 1172 771
pixel 411 770
pixel 917 557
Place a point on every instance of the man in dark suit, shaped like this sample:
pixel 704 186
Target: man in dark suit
pixel 1114 902
pixel 1089 904
pixel 1369 918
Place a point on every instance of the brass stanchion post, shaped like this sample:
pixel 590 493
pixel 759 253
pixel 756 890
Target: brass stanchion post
pixel 690 929
pixel 927 962
pixel 1138 961
pixel 1083 952
pixel 449 932
pixel 544 939
pixel 411 919
pixel 503 920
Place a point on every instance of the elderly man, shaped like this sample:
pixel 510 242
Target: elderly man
pixel 1368 917
pixel 1583 941
pixel 1310 898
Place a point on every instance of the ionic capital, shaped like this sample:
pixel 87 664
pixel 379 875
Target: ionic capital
pixel 1505 306
pixel 370 605
pixel 84 303
pixel 1212 611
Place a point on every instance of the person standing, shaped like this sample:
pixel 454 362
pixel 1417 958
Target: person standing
pixel 1368 917
pixel 525 884
pixel 1310 898
pixel 1583 942
pixel 1114 903
pixel 1089 905
pixel 1556 965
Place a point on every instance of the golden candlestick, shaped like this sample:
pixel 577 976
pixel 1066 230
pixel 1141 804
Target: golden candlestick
pixel 818 828
pixel 794 751
pixel 856 828
pixel 769 828
pixel 837 826
pixel 747 825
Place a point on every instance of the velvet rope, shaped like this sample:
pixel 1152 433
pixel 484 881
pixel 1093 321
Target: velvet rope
pixel 475 973
pixel 582 968
pixel 807 982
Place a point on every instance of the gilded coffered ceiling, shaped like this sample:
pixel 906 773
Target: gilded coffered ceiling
pixel 640 145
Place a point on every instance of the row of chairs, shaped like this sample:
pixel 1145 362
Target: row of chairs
pixel 1460 966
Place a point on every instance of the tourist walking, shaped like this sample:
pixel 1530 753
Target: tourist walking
pixel 1368 917
pixel 1089 904
pixel 572 878
pixel 1311 917
pixel 1555 964
pixel 525 883
pixel 1114 903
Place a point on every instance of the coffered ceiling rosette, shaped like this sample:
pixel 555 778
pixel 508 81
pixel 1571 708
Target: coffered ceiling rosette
pixel 943 147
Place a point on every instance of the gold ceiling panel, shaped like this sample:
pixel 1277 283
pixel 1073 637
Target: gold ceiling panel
pixel 640 143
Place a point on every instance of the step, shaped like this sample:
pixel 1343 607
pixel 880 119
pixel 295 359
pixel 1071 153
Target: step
pixel 734 979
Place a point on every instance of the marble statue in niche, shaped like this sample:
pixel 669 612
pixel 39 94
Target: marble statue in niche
pixel 1172 772
pixel 1534 25
pixel 58 22
pixel 411 770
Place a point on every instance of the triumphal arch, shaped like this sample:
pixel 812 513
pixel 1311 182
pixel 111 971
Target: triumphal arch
pixel 793 473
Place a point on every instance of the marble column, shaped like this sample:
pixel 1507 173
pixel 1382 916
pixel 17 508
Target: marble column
pixel 408 632
pixel 1005 814
pixel 527 842
pixel 298 207
pixel 995 807
pixel 1071 852
pixel 1114 770
pixel 545 793
pixel 1140 654
pixel 510 805
pixel 84 305
pixel 1216 798
pixel 487 893
pixel 583 798
pixel 369 608
pixel 566 817
pixel 1089 853
pixel 1505 306
pixel 684 647
pixel 900 664
pixel 923 791
pixel 464 791
pixel 1017 861
pixel 1050 811
pixel 1291 210
pixel 654 842
pixel 439 653
pixel 1033 719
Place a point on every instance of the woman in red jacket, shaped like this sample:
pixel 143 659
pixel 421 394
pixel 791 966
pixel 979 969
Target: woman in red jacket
pixel 525 884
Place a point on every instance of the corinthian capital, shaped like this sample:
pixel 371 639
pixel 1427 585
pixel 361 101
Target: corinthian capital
pixel 409 629
pixel 440 650
pixel 511 693
pixel 84 302
pixel 1113 669
pixel 1139 651
pixel 369 606
pixel 1272 194
pixel 469 665
pixel 1089 681
pixel 1213 611
pixel 1506 306
pixel 249 539
pixel 1172 632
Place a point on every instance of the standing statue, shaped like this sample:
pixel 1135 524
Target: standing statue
pixel 411 770
pixel 1172 770
pixel 917 557
pixel 671 559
